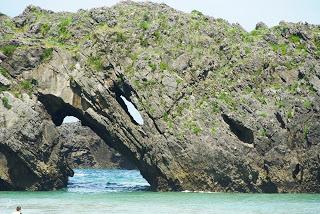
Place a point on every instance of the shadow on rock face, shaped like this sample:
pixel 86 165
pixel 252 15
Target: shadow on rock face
pixel 17 175
pixel 243 133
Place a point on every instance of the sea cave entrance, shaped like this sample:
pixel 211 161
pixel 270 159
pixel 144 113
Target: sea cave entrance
pixel 99 162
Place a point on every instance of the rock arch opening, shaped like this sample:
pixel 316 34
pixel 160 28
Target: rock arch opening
pixel 122 94
pixel 83 148
pixel 105 150
pixel 133 111
pixel 70 119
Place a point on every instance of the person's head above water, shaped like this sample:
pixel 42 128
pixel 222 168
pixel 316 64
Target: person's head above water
pixel 18 208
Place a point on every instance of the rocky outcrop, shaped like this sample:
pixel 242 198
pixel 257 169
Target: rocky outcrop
pixel 30 153
pixel 223 109
pixel 82 148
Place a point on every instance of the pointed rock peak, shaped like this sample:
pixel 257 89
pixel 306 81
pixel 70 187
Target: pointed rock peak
pixel 32 8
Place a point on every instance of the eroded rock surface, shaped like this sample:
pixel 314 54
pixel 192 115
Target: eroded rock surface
pixel 30 153
pixel 223 109
pixel 84 149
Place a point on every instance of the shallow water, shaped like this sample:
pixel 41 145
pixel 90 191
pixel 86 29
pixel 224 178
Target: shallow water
pixel 123 191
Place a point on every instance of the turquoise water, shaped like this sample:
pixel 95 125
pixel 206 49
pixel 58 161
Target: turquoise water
pixel 123 191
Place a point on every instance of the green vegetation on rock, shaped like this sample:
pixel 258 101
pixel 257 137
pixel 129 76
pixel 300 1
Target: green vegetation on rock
pixel 4 72
pixel 3 88
pixel 95 63
pixel 282 48
pixel 194 78
pixel 47 54
pixel 63 29
pixel 44 29
pixel 5 102
pixel 8 50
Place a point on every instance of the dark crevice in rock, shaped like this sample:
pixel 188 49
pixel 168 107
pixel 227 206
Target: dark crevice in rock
pixel 174 104
pixel 223 179
pixel 269 187
pixel 5 186
pixel 243 133
pixel 280 120
pixel 283 80
pixel 296 171
pixel 266 168
pixel 301 175
pixel 155 123
pixel 301 75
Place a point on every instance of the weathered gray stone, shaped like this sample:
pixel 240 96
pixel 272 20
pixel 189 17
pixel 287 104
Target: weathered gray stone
pixel 84 149
pixel 223 109
pixel 30 155
pixel 261 25
pixel 4 81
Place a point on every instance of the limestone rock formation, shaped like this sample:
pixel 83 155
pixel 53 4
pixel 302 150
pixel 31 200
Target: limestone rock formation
pixel 30 153
pixel 82 148
pixel 223 109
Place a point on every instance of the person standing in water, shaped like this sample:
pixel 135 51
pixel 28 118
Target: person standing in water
pixel 18 210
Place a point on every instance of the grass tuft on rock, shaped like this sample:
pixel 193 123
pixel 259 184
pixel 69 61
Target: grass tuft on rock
pixel 4 72
pixel 8 50
pixel 5 102
pixel 95 63
pixel 63 29
pixel 47 54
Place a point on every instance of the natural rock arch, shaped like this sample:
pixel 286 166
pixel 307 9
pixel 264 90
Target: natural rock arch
pixel 210 95
pixel 107 115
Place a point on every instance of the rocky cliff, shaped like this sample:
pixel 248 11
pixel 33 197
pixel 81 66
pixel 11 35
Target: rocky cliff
pixel 223 109
pixel 82 148
pixel 30 152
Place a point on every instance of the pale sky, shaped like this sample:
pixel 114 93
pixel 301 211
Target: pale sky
pixel 245 12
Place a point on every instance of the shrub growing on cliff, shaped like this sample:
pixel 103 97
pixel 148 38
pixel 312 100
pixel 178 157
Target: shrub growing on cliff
pixel 8 50
pixel 144 42
pixel 305 132
pixel 280 47
pixel 163 66
pixel 152 66
pixel 26 85
pixel 47 54
pixel 196 13
pixel 4 72
pixel 120 37
pixel 290 114
pixel 195 129
pixel 3 88
pixel 307 104
pixel 95 63
pixel 144 25
pixel 317 43
pixel 44 29
pixel 63 30
pixel 297 41
pixel 5 102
